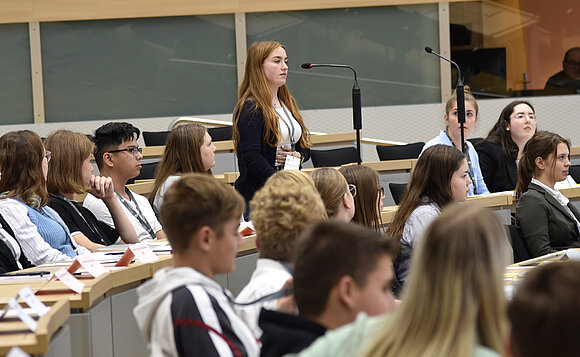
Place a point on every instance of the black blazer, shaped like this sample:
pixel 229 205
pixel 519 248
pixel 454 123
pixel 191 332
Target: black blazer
pixel 7 260
pixel 546 226
pixel 256 159
pixel 499 171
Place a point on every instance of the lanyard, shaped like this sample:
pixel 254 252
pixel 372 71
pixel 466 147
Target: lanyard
pixel 93 229
pixel 469 165
pixel 290 126
pixel 138 215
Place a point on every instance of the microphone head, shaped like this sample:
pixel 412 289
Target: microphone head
pixel 306 65
pixel 428 49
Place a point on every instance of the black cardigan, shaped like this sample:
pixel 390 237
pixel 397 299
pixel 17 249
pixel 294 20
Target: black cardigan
pixel 7 260
pixel 256 158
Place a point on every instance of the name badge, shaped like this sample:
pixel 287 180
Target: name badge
pixel 292 163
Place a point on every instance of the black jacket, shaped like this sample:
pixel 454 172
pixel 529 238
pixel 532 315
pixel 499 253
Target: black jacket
pixel 7 260
pixel 256 158
pixel 283 333
pixel 499 171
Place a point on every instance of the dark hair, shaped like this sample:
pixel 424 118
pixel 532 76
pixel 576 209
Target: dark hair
pixel 573 49
pixel 500 136
pixel 21 155
pixel 110 136
pixel 542 144
pixel 194 201
pixel 545 312
pixel 430 178
pixel 330 251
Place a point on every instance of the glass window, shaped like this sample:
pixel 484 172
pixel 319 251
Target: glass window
pixel 384 45
pixel 15 77
pixel 517 48
pixel 138 68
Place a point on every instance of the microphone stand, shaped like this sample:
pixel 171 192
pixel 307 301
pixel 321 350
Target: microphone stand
pixel 460 94
pixel 356 103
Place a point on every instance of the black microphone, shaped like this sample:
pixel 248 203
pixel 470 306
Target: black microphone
pixel 356 101
pixel 460 93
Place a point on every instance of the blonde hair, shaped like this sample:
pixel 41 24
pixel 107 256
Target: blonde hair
pixel 182 154
pixel 366 203
pixel 454 298
pixel 69 150
pixel 254 87
pixel 282 210
pixel 331 186
pixel 468 98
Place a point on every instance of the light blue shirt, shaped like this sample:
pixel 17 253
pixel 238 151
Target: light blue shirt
pixel 443 139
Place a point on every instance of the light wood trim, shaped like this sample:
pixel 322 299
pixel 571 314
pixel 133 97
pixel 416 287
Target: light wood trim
pixel 241 45
pixel 14 11
pixel 445 50
pixel 36 72
pixel 575 151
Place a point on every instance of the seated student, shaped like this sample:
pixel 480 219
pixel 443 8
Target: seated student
pixel 23 203
pixel 284 208
pixel 454 303
pixel 503 148
pixel 118 156
pixel 545 217
pixel 368 201
pixel 189 149
pixel 439 178
pixel 183 310
pixel 69 172
pixel 337 195
pixel 545 312
pixel 341 269
pixel 451 136
pixel 11 255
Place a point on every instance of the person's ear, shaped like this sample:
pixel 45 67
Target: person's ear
pixel 540 163
pixel 347 291
pixel 108 159
pixel 346 202
pixel 204 238
pixel 446 119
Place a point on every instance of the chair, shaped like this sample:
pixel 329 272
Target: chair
pixel 399 152
pixel 147 172
pixel 574 171
pixel 221 133
pixel 333 157
pixel 155 138
pixel 397 191
pixel 519 246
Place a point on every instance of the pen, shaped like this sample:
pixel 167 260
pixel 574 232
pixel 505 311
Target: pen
pixel 31 273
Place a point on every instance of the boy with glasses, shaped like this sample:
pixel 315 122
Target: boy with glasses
pixel 119 156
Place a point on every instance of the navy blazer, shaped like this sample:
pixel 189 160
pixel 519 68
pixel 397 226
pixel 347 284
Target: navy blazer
pixel 256 158
pixel 546 226
pixel 500 172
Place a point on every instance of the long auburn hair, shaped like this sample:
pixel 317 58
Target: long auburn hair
pixel 21 155
pixel 500 136
pixel 454 298
pixel 69 150
pixel 542 144
pixel 430 178
pixel 254 88
pixel 367 184
pixel 182 154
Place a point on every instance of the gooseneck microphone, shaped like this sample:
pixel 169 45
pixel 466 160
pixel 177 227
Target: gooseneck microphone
pixel 460 93
pixel 356 101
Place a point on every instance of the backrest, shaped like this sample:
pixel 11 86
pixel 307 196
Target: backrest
pixel 155 138
pixel 400 152
pixel 221 133
pixel 574 171
pixel 397 191
pixel 147 172
pixel 333 157
pixel 519 246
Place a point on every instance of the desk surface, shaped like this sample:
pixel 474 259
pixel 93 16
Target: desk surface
pixel 15 333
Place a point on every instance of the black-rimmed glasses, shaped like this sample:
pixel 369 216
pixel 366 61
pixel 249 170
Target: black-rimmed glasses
pixel 135 150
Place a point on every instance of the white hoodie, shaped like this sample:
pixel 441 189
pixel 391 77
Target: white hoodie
pixel 181 311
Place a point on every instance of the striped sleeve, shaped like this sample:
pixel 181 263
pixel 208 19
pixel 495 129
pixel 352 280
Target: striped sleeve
pixel 201 327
